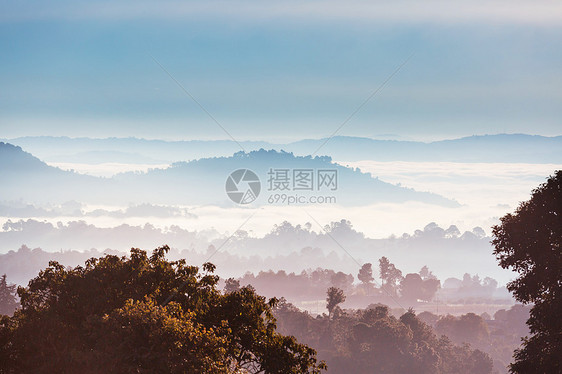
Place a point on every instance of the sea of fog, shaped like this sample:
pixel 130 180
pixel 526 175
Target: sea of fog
pixel 485 191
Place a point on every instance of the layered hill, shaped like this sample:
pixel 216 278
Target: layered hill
pixel 197 182
pixel 509 148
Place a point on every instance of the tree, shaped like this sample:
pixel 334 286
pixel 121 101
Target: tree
pixel 366 274
pixel 452 232
pixel 144 314
pixel 390 276
pixel 380 343
pixel 342 280
pixel 425 273
pixel 530 242
pixel 421 286
pixel 8 300
pixel 411 287
pixel 468 328
pixel 384 267
pixel 335 297
pixel 231 285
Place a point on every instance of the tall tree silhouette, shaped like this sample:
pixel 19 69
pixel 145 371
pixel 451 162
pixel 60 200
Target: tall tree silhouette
pixel 529 242
pixel 365 274
pixel 390 276
pixel 8 299
pixel 334 297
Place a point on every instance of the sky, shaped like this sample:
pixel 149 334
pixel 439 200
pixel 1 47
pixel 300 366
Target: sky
pixel 280 71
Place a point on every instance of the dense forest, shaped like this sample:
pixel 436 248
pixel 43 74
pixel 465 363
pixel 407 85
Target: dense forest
pixel 113 306
pixel 145 314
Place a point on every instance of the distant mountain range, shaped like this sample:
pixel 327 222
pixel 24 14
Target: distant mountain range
pixel 28 179
pixel 199 182
pixel 486 148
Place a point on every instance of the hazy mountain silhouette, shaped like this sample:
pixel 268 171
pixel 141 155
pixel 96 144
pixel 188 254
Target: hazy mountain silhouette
pixel 485 148
pixel 108 156
pixel 196 182
pixel 203 181
pixel 89 150
pixel 14 159
pixel 25 177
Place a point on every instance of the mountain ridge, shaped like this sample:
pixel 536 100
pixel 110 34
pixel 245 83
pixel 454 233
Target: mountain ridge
pixel 508 148
pixel 195 182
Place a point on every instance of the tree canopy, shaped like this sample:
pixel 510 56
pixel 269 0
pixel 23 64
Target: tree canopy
pixel 334 297
pixel 372 340
pixel 390 276
pixel 529 242
pixel 366 273
pixel 8 300
pixel 115 314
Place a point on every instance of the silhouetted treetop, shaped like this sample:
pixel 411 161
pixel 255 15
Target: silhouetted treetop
pixel 529 242
pixel 113 315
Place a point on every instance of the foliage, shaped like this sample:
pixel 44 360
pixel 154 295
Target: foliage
pixel 366 273
pixel 529 242
pixel 413 287
pixel 390 276
pixel 8 299
pixel 231 285
pixel 373 341
pixel 425 273
pixel 113 315
pixel 468 328
pixel 342 280
pixel 335 297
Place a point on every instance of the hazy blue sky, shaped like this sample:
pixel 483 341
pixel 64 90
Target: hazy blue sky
pixel 280 70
